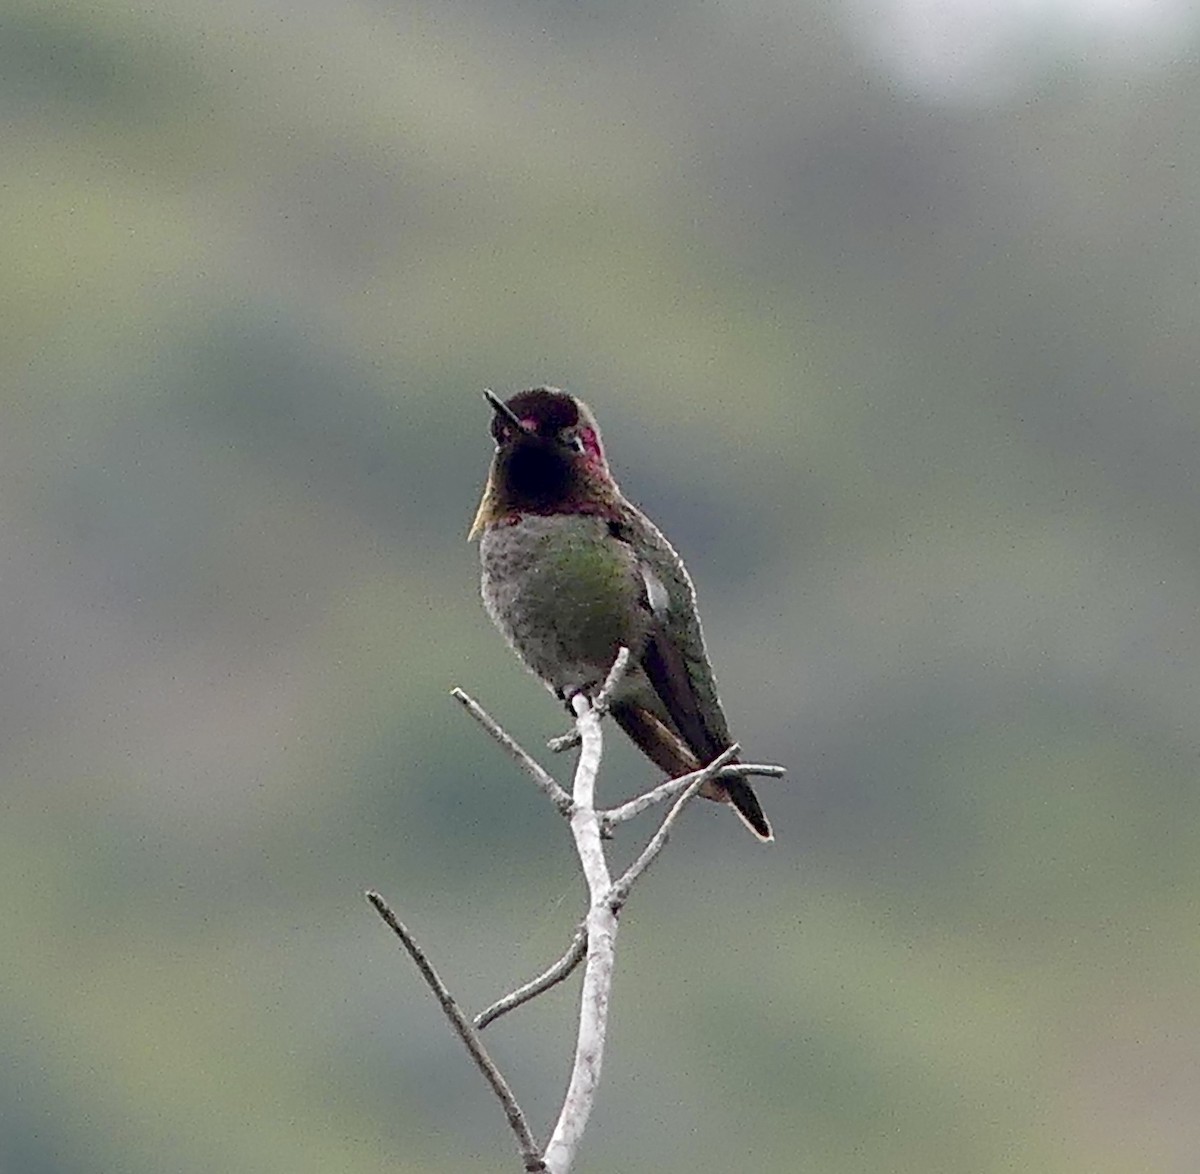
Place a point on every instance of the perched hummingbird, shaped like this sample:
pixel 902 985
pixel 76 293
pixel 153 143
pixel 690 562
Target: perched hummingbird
pixel 572 571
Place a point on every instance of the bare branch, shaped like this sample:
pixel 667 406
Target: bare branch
pixel 531 1155
pixel 601 926
pixel 664 791
pixel 567 741
pixel 547 785
pixel 594 942
pixel 615 674
pixel 550 977
pixel 584 822
pixel 656 795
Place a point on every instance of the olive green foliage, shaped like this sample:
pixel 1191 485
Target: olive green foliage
pixel 908 374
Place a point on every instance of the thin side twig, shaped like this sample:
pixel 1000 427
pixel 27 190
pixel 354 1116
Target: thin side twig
pixel 567 741
pixel 550 977
pixel 664 791
pixel 531 1155
pixel 615 674
pixel 548 786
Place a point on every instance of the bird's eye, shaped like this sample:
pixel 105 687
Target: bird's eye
pixel 575 442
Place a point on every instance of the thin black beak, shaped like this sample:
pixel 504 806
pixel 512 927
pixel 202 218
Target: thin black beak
pixel 502 409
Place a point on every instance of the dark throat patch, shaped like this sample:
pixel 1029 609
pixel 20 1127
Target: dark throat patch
pixel 536 475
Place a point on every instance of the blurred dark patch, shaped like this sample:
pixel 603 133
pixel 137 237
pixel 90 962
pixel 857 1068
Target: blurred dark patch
pixel 49 57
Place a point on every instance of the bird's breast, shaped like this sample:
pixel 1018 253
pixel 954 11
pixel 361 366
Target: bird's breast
pixel 565 593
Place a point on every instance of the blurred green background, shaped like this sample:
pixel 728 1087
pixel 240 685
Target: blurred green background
pixel 890 314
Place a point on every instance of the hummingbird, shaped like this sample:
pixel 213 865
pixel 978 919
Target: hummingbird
pixel 573 571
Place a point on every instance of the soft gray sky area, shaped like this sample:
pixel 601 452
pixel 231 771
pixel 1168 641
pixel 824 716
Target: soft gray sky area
pixel 989 50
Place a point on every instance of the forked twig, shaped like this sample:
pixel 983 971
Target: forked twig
pixel 594 940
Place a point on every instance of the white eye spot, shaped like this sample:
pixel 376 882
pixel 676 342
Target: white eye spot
pixel 575 442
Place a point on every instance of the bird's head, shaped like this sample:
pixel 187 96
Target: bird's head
pixel 549 457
